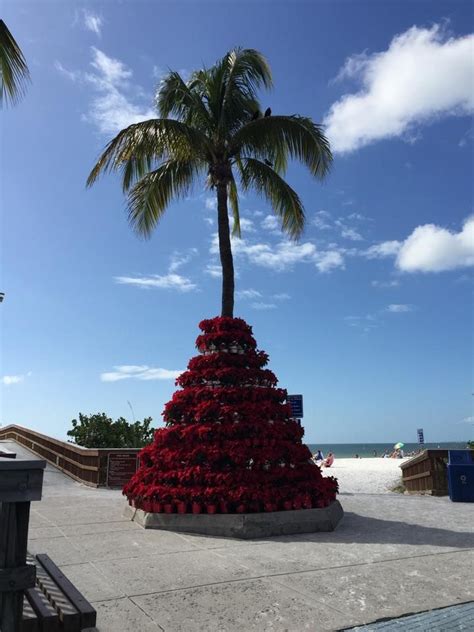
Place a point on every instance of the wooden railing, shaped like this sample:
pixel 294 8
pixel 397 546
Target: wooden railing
pixel 87 465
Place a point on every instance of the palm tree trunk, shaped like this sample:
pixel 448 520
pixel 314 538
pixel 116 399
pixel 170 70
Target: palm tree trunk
pixel 225 251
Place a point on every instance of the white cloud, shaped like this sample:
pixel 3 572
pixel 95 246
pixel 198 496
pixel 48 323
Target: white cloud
pixel 214 270
pixel 72 75
pixel 347 232
pixel 247 294
pixel 246 225
pixel 169 281
pixel 271 223
pixel 359 217
pixel 179 259
pixel 329 261
pixel 431 248
pixel 210 203
pixel 366 323
pixel 141 372
pixel 8 380
pixel 399 308
pixel 423 75
pixel 263 306
pixel 111 108
pixel 209 220
pixel 385 284
pixel 467 420
pixel 322 220
pixel 283 255
pixel 384 249
pixel 281 297
pixel 93 22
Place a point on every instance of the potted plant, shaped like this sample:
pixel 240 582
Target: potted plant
pixel 196 507
pixel 147 505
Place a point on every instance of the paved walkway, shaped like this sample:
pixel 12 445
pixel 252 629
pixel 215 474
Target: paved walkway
pixel 453 619
pixel 391 555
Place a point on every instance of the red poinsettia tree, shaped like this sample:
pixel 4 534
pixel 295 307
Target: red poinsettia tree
pixel 230 444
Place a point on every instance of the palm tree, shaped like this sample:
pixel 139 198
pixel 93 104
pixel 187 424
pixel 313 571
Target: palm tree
pixel 14 74
pixel 212 124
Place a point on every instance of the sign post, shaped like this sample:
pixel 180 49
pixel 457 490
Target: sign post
pixel 120 468
pixel 296 403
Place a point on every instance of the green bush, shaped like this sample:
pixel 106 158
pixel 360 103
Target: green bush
pixel 100 431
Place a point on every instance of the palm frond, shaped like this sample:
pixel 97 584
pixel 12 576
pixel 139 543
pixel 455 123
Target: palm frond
pixel 284 200
pixel 14 73
pixel 181 100
pixel 150 196
pixel 234 204
pixel 277 138
pixel 244 71
pixel 135 149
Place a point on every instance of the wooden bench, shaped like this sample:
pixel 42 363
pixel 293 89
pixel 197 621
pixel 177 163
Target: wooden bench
pixel 54 604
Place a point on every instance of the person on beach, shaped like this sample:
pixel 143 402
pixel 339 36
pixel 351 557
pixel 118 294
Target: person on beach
pixel 318 457
pixel 329 461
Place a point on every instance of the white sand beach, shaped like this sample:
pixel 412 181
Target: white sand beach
pixel 365 476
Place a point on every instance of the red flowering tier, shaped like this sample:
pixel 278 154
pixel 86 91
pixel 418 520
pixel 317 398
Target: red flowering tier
pixel 230 444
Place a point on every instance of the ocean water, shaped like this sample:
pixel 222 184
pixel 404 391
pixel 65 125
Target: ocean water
pixel 347 450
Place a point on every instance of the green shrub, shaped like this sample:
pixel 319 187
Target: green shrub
pixel 100 431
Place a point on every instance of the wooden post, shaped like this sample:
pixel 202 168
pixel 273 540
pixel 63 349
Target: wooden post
pixel 21 481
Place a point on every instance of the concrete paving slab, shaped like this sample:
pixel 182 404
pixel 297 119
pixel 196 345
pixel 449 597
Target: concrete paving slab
pixel 91 582
pixel 34 533
pixel 72 515
pixel 209 542
pixel 255 605
pixel 98 528
pixel 389 589
pixel 127 544
pixel 61 550
pixel 122 615
pixel 431 512
pixel 295 555
pixel 37 520
pixel 171 571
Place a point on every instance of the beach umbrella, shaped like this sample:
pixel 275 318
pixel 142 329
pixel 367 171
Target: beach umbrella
pixel 399 445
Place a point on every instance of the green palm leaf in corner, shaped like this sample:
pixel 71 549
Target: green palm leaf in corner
pixel 14 74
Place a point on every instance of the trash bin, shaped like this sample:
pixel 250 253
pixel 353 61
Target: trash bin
pixel 461 476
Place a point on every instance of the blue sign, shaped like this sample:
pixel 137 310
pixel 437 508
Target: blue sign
pixel 296 403
pixel 421 438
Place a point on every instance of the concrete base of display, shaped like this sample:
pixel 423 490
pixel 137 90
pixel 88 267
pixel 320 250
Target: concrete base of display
pixel 243 526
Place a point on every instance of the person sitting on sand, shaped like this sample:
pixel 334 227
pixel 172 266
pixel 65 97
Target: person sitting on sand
pixel 318 457
pixel 329 461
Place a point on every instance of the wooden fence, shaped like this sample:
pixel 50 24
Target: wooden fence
pixel 92 466
pixel 426 473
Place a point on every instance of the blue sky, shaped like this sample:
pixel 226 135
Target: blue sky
pixel 369 316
